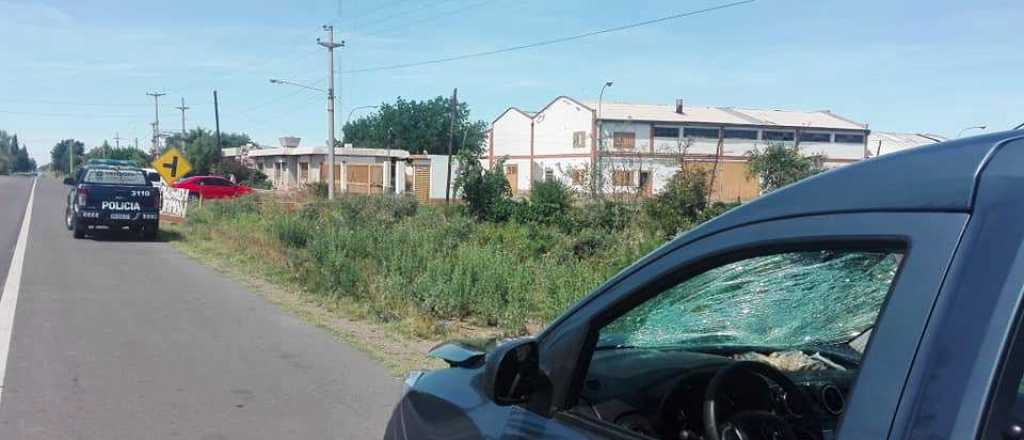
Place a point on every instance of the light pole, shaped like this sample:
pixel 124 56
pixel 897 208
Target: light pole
pixel 330 45
pixel 599 138
pixel 330 126
pixel 362 107
pixel 976 127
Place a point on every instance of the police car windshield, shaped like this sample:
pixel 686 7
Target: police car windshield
pixel 113 176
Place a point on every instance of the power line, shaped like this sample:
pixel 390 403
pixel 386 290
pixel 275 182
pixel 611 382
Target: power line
pixel 420 7
pixel 374 11
pixel 552 41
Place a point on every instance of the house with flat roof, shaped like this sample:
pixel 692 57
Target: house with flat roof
pixel 639 147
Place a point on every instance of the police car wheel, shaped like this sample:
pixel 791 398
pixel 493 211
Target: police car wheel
pixel 69 219
pixel 77 230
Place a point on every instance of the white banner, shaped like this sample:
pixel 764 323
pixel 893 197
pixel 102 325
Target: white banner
pixel 175 201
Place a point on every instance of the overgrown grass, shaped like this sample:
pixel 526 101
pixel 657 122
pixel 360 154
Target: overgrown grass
pixel 402 262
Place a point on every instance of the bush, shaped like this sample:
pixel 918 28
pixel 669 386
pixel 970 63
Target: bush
pixel 778 165
pixel 680 203
pixel 483 191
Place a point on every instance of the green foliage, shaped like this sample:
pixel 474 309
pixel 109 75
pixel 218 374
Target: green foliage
pixel 681 201
pixel 714 210
pixel 200 147
pixel 405 261
pixel 778 165
pixel 14 157
pixel 59 155
pixel 243 174
pixel 485 191
pixel 105 151
pixel 417 126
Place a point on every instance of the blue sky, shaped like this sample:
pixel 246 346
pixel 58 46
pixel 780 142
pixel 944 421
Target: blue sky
pixel 81 68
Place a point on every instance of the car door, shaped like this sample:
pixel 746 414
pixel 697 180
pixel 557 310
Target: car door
pixel 926 242
pixel 220 188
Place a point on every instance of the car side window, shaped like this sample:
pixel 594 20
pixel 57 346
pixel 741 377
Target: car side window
pixel 1006 405
pixel 806 315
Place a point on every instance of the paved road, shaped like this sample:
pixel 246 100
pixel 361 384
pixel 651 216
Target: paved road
pixel 132 340
pixel 13 196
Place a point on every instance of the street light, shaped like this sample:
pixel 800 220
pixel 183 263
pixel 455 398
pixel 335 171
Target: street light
pixel 358 108
pixel 292 83
pixel 598 137
pixel 979 127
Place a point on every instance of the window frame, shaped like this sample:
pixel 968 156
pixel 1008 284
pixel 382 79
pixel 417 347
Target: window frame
pixel 628 178
pixel 929 240
pixel 654 132
pixel 800 136
pixel 707 130
pixel 619 140
pixel 767 135
pixel 756 132
pixel 835 138
pixel 579 139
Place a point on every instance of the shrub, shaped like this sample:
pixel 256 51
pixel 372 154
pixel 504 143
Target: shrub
pixel 778 165
pixel 549 203
pixel 680 202
pixel 483 191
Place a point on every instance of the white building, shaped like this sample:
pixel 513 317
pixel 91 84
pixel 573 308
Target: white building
pixel 357 170
pixel 639 147
pixel 884 142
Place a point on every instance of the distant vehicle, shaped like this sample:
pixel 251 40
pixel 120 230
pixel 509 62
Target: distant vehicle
pixel 881 300
pixel 154 177
pixel 212 187
pixel 112 197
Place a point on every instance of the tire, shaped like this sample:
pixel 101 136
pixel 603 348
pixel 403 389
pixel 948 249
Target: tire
pixel 149 233
pixel 69 219
pixel 77 230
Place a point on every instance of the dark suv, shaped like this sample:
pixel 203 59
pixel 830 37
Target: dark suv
pixel 112 197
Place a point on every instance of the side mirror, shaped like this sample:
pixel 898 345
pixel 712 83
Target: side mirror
pixel 512 372
pixel 69 180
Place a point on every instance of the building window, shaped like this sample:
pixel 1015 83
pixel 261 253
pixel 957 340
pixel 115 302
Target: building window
pixel 549 175
pixel 771 135
pixel 304 171
pixel 579 139
pixel 810 136
pixel 733 133
pixel 579 177
pixel 703 133
pixel 849 138
pixel 622 178
pixel 623 140
pixel 666 132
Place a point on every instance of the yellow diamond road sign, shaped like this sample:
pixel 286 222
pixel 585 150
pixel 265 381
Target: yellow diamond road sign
pixel 172 165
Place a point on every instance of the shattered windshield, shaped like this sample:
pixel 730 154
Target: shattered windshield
pixel 797 299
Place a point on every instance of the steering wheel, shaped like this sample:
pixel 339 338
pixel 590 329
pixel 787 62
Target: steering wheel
pixel 762 423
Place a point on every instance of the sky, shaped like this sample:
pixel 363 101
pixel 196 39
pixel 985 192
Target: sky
pixel 81 68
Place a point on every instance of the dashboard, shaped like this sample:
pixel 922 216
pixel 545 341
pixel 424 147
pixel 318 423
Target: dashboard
pixel 659 391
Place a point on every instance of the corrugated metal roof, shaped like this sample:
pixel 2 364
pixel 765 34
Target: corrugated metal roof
pixel 725 115
pixel 891 142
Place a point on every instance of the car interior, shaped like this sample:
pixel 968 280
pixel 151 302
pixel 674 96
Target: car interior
pixel 763 348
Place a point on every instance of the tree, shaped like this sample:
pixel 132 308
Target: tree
pixel 22 162
pixel 105 151
pixel 778 165
pixel 417 126
pixel 59 155
pixel 200 147
pixel 484 191
pixel 680 203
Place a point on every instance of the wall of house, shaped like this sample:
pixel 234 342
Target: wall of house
pixel 522 183
pixel 562 169
pixel 554 128
pixel 511 134
pixel 641 130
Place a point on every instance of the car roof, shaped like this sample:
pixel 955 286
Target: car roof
pixel 936 177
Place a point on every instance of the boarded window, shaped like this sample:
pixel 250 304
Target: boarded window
pixel 772 135
pixel 666 132
pixel 622 178
pixel 700 132
pixel 623 140
pixel 849 138
pixel 579 139
pixel 549 175
pixel 810 136
pixel 732 133
pixel 304 171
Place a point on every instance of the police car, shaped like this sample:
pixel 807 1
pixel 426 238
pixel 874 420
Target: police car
pixel 112 195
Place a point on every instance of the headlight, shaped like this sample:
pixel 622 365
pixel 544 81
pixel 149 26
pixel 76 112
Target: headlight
pixel 410 380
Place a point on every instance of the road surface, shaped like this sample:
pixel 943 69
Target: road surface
pixel 120 339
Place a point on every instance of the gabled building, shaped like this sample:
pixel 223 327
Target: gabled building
pixel 639 147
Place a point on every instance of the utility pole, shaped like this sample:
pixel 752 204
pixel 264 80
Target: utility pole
pixel 117 139
pixel 330 45
pixel 156 121
pixel 451 139
pixel 216 119
pixel 182 108
pixel 136 142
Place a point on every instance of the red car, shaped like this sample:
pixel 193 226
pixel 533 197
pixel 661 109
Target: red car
pixel 212 187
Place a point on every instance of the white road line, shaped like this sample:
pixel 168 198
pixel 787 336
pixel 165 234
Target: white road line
pixel 9 300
